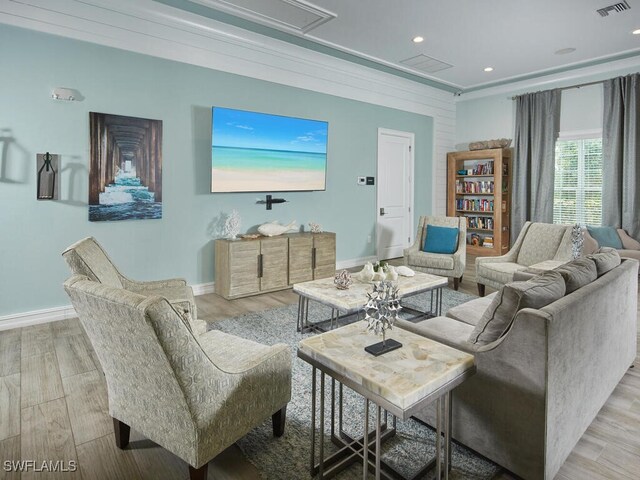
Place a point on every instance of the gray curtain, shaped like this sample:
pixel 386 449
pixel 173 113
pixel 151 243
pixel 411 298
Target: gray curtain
pixel 537 128
pixel 621 154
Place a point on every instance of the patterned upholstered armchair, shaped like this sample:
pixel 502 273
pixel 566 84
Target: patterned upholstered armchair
pixel 539 247
pixel 437 263
pixel 193 396
pixel 87 257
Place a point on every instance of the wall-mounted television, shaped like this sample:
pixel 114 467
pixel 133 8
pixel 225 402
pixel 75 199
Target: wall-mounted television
pixel 260 152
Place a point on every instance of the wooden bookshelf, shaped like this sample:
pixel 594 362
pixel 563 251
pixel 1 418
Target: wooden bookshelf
pixel 483 197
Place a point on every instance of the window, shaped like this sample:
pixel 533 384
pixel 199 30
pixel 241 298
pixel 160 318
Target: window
pixel 577 195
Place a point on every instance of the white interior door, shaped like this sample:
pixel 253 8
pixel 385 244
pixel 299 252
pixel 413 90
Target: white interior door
pixel 395 193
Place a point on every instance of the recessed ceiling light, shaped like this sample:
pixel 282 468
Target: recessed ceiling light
pixel 564 51
pixel 488 69
pixel 418 39
pixel 636 32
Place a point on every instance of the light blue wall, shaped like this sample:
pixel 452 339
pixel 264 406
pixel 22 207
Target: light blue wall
pixel 494 116
pixel 180 244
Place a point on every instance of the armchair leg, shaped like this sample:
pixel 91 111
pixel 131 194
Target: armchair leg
pixel 122 432
pixel 456 283
pixel 278 420
pixel 481 290
pixel 198 473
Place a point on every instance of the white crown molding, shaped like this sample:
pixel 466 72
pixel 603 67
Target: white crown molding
pixel 156 29
pixel 551 81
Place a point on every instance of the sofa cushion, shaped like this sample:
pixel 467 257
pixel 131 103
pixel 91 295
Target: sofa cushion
pixel 605 259
pixel 440 240
pixel 535 293
pixel 578 273
pixel 471 312
pixel 441 329
pixel 501 272
pixel 431 260
pixel 605 236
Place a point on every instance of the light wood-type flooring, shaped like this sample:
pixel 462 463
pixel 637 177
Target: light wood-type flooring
pixel 53 406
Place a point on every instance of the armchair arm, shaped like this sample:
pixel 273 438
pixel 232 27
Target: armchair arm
pixel 627 242
pixel 510 256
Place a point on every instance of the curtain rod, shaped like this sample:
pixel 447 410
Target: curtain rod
pixel 570 87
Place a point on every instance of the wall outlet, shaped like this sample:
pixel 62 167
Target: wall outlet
pixel 368 238
pixel 362 180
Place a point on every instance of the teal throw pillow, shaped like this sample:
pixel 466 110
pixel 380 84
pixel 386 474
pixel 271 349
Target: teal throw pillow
pixel 440 239
pixel 605 236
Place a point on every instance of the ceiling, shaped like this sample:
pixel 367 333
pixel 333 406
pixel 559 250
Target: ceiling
pixel 518 38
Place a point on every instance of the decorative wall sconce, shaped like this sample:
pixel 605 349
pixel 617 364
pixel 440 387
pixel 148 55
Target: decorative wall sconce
pixel 68 94
pixel 48 167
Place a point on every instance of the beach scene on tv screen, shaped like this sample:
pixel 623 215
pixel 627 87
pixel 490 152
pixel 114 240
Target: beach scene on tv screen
pixel 258 152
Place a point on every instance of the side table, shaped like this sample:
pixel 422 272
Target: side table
pixel 399 383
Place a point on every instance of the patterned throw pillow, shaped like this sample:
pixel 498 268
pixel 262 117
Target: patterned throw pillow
pixel 440 239
pixel 538 292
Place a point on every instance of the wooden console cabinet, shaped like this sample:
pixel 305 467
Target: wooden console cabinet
pixel 266 264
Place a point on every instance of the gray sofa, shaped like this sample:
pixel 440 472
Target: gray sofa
pixel 540 385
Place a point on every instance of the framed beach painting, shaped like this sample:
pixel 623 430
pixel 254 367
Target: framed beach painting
pixel 260 152
pixel 125 174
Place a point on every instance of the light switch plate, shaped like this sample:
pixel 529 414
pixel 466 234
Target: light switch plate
pixel 362 180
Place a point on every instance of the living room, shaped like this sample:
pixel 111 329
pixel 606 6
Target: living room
pixel 173 61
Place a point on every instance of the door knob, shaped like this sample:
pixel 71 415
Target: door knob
pixel 381 210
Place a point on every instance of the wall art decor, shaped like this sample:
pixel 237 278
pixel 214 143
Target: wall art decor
pixel 125 174
pixel 48 178
pixel 260 152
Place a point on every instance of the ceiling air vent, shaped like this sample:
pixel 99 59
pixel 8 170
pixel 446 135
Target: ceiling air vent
pixel 616 7
pixel 425 64
pixel 297 16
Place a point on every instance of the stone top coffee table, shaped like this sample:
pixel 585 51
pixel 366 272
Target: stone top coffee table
pixel 351 300
pixel 400 382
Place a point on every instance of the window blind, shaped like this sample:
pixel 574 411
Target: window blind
pixel 578 182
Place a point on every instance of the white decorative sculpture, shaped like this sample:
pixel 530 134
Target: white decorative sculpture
pixel 577 241
pixel 390 273
pixel 378 276
pixel 232 224
pixel 274 228
pixel 366 274
pixel 315 227
pixel 405 271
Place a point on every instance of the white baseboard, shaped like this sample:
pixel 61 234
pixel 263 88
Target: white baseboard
pixel 355 262
pixel 35 317
pixel 203 288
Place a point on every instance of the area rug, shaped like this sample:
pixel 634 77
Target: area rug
pixel 287 458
